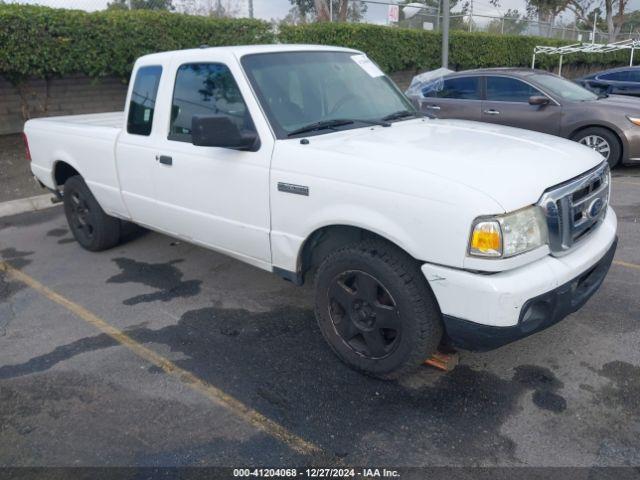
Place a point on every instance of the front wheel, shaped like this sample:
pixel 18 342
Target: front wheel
pixel 376 310
pixel 603 141
pixel 92 228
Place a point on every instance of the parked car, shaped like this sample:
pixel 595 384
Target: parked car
pixel 541 101
pixel 300 159
pixel 619 81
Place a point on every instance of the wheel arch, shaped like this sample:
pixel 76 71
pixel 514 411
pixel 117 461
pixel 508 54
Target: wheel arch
pixel 61 171
pixel 323 240
pixel 611 128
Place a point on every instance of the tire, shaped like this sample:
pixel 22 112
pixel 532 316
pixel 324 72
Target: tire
pixel 361 287
pixel 93 229
pixel 599 138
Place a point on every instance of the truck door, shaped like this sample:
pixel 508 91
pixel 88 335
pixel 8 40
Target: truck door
pixel 218 197
pixel 136 146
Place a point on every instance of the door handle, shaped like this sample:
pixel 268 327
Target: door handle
pixel 491 112
pixel 165 160
pixel 432 107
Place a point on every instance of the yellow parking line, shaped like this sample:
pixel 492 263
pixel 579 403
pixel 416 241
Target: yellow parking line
pixel 214 394
pixel 627 264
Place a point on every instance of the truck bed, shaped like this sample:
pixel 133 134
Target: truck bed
pixel 109 120
pixel 87 143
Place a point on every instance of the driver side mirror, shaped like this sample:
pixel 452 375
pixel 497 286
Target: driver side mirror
pixel 538 100
pixel 220 131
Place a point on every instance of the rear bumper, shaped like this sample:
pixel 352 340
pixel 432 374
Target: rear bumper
pixel 483 311
pixel 537 313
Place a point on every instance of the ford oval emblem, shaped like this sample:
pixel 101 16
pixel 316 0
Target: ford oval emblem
pixel 595 208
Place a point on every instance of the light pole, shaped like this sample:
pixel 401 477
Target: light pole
pixel 445 33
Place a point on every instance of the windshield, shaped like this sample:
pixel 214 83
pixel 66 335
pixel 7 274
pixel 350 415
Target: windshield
pixel 297 89
pixel 564 89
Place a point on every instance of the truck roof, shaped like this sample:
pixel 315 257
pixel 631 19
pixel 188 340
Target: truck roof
pixel 240 50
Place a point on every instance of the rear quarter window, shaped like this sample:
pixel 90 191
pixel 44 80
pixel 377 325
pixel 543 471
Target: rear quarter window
pixel 143 100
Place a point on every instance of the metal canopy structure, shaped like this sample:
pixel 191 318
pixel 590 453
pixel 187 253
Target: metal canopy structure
pixel 631 45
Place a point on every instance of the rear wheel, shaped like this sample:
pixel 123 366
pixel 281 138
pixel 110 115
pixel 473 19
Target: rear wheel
pixel 92 228
pixel 603 141
pixel 375 309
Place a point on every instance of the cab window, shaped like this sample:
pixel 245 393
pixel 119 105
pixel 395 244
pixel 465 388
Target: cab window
pixel 143 100
pixel 205 89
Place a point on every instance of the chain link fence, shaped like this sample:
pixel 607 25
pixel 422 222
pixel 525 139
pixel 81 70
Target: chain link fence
pixel 506 25
pixel 483 18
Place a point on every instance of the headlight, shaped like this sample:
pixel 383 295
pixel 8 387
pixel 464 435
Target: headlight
pixel 507 235
pixel 634 120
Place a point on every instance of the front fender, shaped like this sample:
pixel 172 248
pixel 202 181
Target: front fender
pixel 428 231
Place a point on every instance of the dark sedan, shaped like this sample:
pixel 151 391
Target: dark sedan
pixel 619 81
pixel 539 100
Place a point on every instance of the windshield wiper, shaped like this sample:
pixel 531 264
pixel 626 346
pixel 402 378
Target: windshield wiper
pixel 406 113
pixel 336 122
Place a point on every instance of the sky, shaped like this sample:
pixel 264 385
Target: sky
pixel 277 9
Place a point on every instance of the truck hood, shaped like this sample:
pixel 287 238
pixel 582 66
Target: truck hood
pixel 510 165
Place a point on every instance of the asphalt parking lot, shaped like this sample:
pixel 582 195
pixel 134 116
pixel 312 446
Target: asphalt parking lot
pixel 161 353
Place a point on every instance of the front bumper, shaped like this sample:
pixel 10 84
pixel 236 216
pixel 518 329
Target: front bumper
pixel 537 313
pixel 485 311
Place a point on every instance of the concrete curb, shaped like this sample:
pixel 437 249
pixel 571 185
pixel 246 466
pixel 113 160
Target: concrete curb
pixel 31 204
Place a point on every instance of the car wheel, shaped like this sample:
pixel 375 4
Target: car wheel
pixel 376 310
pixel 603 141
pixel 92 228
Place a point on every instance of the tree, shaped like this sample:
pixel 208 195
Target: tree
pixel 141 5
pixel 320 11
pixel 299 12
pixel 631 23
pixel 323 10
pixel 211 8
pixel 511 23
pixel 546 12
pixel 409 17
pixel 615 14
pixel 614 24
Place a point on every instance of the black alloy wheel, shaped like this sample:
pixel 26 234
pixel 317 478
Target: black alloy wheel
pixel 375 309
pixel 92 228
pixel 364 314
pixel 80 218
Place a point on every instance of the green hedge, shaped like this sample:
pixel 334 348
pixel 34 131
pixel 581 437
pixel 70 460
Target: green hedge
pixel 43 42
pixel 397 49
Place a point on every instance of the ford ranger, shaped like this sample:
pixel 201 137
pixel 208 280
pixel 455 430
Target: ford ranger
pixel 307 160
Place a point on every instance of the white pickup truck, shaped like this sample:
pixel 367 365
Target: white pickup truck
pixel 300 159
